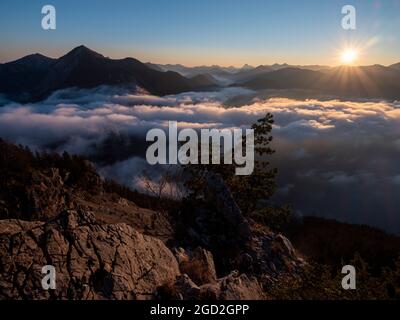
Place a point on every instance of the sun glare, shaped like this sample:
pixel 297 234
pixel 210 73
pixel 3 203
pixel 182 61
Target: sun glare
pixel 349 56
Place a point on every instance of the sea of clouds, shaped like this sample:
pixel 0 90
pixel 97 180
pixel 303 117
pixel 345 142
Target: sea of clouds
pixel 336 159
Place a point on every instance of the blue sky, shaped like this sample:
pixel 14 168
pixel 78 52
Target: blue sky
pixel 195 32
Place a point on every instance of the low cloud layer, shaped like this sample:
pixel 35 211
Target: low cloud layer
pixel 335 159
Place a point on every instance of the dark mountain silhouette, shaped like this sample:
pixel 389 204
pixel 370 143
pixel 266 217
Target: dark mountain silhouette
pixel 21 75
pixel 286 78
pixel 246 67
pixel 34 77
pixel 374 81
pixel 396 66
pixel 229 75
pixel 351 82
pixel 247 74
pixel 194 71
pixel 155 67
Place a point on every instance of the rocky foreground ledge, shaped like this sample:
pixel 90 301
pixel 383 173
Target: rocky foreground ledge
pixel 108 261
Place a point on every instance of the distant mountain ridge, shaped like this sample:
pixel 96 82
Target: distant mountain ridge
pixel 229 75
pixel 349 82
pixel 194 71
pixel 34 77
pixel 396 66
pixel 231 70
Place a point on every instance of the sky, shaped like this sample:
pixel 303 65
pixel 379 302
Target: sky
pixel 205 32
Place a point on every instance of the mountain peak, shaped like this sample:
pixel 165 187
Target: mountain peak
pixel 247 66
pixel 81 48
pixel 83 51
pixel 31 59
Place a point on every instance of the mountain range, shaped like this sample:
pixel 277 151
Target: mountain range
pixel 34 77
pixel 374 81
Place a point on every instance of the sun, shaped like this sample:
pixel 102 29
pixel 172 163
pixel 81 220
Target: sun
pixel 349 56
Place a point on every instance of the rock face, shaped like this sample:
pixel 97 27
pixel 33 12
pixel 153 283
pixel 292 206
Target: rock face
pixel 215 222
pixel 92 261
pixel 267 255
pixel 199 265
pixel 112 209
pixel 218 193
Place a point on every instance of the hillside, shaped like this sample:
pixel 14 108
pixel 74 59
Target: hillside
pixel 56 210
pixel 108 242
pixel 331 242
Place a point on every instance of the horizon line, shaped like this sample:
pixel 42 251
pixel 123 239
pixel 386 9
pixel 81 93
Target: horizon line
pixel 203 65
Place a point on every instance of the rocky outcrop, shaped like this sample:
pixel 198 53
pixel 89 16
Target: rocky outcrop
pixel 100 261
pixel 198 265
pixel 55 210
pixel 92 261
pixel 240 287
pixel 114 261
pixel 218 193
pixel 235 286
pixel 216 224
pixel 111 209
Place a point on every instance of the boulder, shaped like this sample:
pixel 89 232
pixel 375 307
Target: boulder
pixel 240 287
pixel 234 286
pixel 92 260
